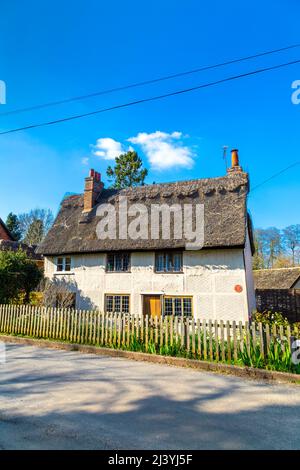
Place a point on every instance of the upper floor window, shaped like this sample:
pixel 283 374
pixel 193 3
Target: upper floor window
pixel 118 262
pixel 168 262
pixel 63 263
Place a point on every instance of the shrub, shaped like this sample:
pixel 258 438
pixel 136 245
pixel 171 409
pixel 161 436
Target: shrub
pixel 271 318
pixel 18 275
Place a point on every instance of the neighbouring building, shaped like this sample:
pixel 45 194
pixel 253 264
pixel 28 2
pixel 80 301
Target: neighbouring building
pixel 4 232
pixel 278 290
pixel 7 242
pixel 158 276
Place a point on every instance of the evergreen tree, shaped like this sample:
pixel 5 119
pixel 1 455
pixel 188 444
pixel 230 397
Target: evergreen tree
pixel 13 225
pixel 128 171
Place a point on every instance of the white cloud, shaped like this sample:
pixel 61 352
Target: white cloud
pixel 85 160
pixel 107 148
pixel 164 150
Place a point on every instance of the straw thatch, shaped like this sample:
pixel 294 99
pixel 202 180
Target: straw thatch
pixel 225 218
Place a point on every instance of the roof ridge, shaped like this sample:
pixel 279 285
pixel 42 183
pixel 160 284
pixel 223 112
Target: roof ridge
pixel 276 269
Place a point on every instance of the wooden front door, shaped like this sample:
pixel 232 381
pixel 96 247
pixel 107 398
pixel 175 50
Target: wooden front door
pixel 152 305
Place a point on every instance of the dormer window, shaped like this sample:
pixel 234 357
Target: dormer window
pixel 63 264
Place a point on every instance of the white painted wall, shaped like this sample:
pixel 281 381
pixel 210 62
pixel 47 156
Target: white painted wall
pixel 249 275
pixel 208 275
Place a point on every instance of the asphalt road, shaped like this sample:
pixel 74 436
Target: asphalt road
pixel 52 399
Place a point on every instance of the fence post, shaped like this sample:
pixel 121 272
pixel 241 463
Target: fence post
pixel 204 340
pixel 199 338
pixel 211 353
pixel 235 356
pixel 247 334
pixel 146 333
pixel 119 329
pixel 261 340
pixel 156 332
pixel 166 328
pixel 267 339
pixel 228 341
pixel 216 328
pixel 123 330
pixel 161 331
pixel 241 337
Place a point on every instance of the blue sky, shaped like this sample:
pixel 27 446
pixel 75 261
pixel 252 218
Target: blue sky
pixel 53 50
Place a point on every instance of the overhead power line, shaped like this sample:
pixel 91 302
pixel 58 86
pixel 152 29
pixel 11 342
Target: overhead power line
pixel 148 82
pixel 153 98
pixel 275 175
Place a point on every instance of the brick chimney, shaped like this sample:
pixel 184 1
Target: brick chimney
pixel 92 189
pixel 235 164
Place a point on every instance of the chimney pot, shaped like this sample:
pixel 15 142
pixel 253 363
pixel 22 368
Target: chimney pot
pixel 234 157
pixel 92 189
pixel 235 164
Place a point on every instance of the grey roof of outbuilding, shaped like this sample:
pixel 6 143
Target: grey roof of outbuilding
pixel 225 216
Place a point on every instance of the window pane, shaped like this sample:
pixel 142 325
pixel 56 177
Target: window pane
pixel 125 262
pixel 118 262
pixel 169 262
pixel 117 303
pixel 187 307
pixel 60 264
pixel 160 262
pixel 168 306
pixel 109 303
pixel 177 262
pixel 110 263
pixel 67 264
pixel 125 304
pixel 178 305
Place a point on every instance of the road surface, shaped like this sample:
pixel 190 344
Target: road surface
pixel 53 399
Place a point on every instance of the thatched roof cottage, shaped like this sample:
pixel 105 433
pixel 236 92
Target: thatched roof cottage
pixel 143 264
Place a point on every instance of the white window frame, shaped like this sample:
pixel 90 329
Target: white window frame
pixel 64 263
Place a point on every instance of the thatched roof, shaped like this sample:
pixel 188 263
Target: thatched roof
pixel 225 217
pixel 284 278
pixel 6 245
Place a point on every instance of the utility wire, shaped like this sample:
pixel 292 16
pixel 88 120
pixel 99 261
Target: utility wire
pixel 147 82
pixel 274 176
pixel 153 98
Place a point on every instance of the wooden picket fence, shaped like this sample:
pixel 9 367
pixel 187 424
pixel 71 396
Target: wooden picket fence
pixel 185 336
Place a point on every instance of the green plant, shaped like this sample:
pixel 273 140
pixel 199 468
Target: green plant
pixel 271 318
pixel 251 355
pixel 18 275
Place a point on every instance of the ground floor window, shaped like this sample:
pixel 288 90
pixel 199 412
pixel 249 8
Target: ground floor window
pixel 118 303
pixel 178 306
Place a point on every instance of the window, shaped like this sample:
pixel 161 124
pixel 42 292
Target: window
pixel 168 262
pixel 118 303
pixel 63 263
pixel 118 262
pixel 178 306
